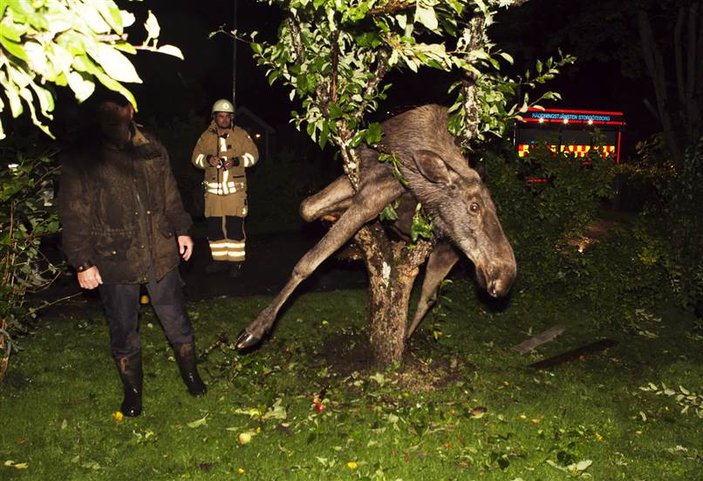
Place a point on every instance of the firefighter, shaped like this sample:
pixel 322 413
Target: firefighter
pixel 225 151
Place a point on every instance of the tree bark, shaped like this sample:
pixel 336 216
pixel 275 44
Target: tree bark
pixel 678 99
pixel 392 267
pixel 654 61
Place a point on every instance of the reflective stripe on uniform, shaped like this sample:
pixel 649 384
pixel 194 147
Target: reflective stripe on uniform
pixel 228 250
pixel 224 188
pixel 200 161
pixel 236 256
pixel 248 159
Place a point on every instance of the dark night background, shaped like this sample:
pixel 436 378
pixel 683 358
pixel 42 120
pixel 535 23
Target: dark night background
pixel 174 87
pixel 600 80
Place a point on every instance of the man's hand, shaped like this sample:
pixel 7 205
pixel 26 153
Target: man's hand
pixel 90 278
pixel 185 246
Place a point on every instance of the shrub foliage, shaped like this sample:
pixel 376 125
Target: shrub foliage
pixel 27 215
pixel 674 226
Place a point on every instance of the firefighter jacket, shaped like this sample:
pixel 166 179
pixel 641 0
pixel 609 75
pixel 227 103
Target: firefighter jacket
pixel 225 190
pixel 120 209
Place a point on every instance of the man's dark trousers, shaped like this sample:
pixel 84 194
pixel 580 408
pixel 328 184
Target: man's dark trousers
pixel 121 304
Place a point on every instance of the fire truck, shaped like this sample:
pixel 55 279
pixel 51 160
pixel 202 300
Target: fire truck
pixel 573 132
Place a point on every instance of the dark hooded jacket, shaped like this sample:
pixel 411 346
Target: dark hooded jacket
pixel 120 209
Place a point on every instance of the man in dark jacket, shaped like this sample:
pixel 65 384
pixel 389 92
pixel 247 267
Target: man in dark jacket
pixel 124 226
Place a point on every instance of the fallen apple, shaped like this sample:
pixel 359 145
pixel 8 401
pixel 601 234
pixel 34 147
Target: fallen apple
pixel 244 438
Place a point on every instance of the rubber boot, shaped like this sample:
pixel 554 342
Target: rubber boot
pixel 235 270
pixel 185 357
pixel 215 267
pixel 130 369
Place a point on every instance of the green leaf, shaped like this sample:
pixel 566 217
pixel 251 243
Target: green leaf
pixel 388 214
pixel 36 57
pixel 426 16
pixel 114 63
pixel 324 135
pixel 45 98
pixel 581 465
pixel 171 50
pixel 13 48
pixel 12 31
pixel 153 29
pixel 116 18
pixel 12 464
pixel 421 226
pixel 277 411
pixel 374 133
pixel 83 87
pixel 198 422
pixel 114 85
pixel 89 13
pixel 21 6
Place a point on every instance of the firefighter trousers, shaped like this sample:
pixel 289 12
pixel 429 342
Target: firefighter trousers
pixel 226 238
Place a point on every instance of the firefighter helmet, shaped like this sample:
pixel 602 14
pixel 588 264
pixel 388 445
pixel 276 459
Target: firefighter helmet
pixel 223 105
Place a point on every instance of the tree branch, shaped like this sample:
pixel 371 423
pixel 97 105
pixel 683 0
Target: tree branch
pixel 295 38
pixel 379 74
pixel 335 65
pixel 392 7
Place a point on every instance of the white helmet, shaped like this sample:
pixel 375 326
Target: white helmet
pixel 223 105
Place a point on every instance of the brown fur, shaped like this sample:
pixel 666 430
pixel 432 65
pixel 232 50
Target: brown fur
pixel 439 177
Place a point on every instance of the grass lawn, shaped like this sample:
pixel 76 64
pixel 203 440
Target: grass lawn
pixel 463 406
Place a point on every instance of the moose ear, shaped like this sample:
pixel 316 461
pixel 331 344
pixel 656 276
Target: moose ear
pixel 432 166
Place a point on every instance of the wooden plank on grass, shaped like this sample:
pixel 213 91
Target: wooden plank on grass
pixel 531 343
pixel 577 353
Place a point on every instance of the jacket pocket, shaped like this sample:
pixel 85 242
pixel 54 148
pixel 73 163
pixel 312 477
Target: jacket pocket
pixel 113 248
pixel 167 231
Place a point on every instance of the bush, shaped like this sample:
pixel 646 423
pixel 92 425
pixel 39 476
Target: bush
pixel 655 256
pixel 27 215
pixel 674 226
pixel 541 217
pixel 551 224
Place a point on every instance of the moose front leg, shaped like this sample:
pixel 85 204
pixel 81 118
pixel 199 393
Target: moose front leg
pixel 365 205
pixel 441 261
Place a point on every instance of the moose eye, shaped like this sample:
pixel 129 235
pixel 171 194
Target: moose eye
pixel 474 208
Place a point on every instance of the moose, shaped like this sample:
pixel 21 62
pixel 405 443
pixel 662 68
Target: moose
pixel 434 173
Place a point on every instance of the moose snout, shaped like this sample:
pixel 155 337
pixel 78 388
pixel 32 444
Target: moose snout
pixel 499 287
pixel 499 280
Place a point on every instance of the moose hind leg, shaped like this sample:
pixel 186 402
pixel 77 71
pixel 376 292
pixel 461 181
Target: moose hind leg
pixel 333 199
pixel 441 261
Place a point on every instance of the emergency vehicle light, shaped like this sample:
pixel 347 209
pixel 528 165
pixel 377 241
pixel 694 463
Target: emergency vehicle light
pixel 564 116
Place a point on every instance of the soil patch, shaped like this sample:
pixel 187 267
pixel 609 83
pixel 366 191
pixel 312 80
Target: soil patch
pixel 349 352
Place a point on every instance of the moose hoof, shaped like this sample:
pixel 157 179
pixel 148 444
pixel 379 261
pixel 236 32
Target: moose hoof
pixel 246 340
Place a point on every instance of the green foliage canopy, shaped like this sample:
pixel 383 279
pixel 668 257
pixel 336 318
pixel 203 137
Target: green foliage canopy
pixel 334 57
pixel 67 43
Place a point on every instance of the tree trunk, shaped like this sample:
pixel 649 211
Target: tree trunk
pixel 5 344
pixel 678 99
pixel 654 61
pixel 392 267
